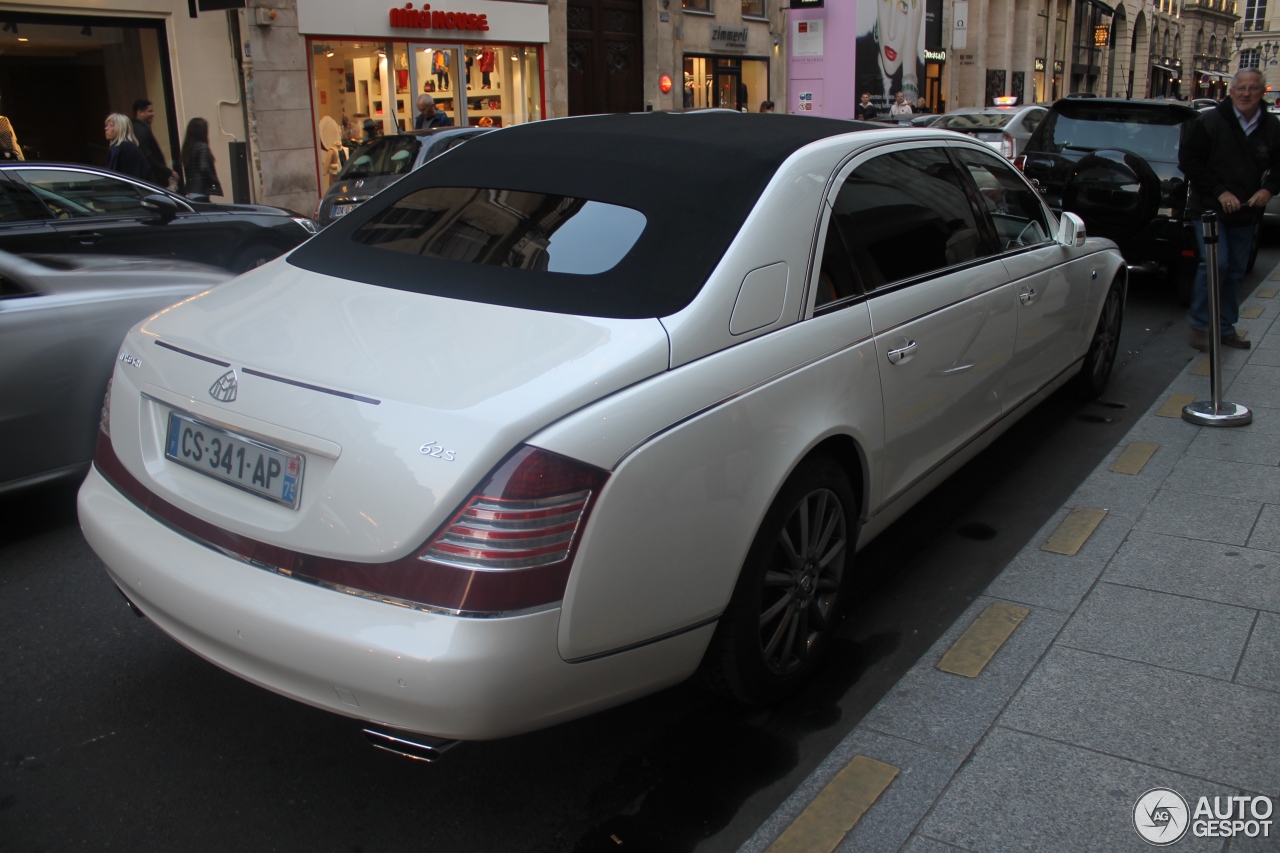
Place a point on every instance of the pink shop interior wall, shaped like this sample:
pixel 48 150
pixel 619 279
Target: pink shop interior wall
pixel 823 85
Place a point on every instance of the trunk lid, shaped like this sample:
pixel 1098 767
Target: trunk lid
pixel 400 403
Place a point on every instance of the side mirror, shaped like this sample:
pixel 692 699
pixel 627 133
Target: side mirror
pixel 1071 231
pixel 164 208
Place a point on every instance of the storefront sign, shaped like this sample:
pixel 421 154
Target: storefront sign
pixel 425 19
pixel 664 83
pixel 935 56
pixel 1100 35
pixel 470 20
pixel 806 38
pixel 960 25
pixel 723 38
pixel 1039 63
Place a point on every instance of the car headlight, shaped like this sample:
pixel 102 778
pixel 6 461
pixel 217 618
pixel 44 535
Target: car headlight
pixel 308 225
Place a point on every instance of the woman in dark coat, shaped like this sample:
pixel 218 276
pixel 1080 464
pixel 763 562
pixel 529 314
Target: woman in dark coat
pixel 197 162
pixel 124 155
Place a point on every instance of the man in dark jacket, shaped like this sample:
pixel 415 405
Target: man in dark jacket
pixel 1231 158
pixel 429 115
pixel 143 114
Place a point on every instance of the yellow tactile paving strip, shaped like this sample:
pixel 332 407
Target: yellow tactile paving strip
pixel 1265 293
pixel 981 640
pixel 1251 312
pixel 1172 407
pixel 837 808
pixel 1074 530
pixel 1134 457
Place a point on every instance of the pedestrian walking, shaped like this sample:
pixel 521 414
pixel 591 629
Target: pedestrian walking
pixel 197 162
pixel 9 148
pixel 1231 158
pixel 143 115
pixel 124 155
pixel 865 110
pixel 429 116
pixel 900 108
pixel 923 108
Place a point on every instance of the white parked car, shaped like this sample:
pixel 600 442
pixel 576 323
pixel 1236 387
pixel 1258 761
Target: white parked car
pixel 605 401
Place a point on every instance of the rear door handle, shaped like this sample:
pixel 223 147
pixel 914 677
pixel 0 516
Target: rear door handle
pixel 902 353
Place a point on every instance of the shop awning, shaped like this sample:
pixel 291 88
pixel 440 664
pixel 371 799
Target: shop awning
pixel 1213 75
pixel 1165 68
pixel 1103 7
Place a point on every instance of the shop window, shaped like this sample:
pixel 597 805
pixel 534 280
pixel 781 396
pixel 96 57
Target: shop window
pixel 753 8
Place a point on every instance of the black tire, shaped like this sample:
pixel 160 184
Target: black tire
pixel 253 257
pixel 1092 379
pixel 790 597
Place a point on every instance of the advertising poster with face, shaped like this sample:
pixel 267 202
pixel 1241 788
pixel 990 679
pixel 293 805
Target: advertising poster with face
pixel 890 49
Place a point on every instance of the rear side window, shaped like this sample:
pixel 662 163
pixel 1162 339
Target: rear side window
pixel 1153 134
pixel 905 215
pixel 16 205
pixel 975 121
pixel 506 228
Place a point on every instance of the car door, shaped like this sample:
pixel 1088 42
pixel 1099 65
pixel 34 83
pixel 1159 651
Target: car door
pixel 98 213
pixel 25 224
pixel 941 314
pixel 1052 288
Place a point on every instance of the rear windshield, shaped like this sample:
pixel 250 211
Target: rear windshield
pixel 975 121
pixel 390 155
pixel 506 228
pixel 1151 134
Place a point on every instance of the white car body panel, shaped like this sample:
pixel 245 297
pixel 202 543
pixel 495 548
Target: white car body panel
pixel 399 667
pixel 478 402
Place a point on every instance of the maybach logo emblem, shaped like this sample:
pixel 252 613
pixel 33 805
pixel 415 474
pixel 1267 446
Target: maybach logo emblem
pixel 224 390
pixel 1160 816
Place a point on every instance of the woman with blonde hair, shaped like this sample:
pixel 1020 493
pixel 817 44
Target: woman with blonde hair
pixel 9 148
pixel 124 155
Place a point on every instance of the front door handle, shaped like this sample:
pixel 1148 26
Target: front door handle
pixel 902 353
pixel 1027 295
pixel 88 239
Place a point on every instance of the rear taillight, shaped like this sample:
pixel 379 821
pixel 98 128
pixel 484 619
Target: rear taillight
pixel 1020 162
pixel 1008 148
pixel 526 516
pixel 508 550
pixel 104 419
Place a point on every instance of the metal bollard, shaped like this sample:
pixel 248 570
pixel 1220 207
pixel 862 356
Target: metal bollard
pixel 1214 412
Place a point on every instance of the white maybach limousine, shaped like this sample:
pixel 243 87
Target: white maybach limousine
pixel 581 408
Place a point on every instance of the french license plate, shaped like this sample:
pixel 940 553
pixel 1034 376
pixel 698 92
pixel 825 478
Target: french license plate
pixel 246 463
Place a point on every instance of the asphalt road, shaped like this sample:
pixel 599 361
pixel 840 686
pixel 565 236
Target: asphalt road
pixel 113 737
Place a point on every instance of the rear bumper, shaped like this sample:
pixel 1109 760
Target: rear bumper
pixel 456 678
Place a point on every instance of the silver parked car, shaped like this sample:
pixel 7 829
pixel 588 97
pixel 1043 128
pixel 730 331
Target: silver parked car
pixel 1006 129
pixel 61 322
pixel 379 163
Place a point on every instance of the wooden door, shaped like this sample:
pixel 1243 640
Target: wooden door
pixel 605 57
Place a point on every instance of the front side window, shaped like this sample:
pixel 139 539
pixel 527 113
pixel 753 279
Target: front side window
pixel 506 228
pixel 78 195
pixel 906 214
pixel 1013 207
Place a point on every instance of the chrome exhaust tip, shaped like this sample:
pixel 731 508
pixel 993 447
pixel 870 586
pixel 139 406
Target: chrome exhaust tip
pixel 409 744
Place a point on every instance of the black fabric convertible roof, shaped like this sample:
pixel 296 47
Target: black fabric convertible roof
pixel 694 176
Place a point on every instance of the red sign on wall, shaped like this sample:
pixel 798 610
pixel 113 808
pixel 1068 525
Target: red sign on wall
pixel 426 19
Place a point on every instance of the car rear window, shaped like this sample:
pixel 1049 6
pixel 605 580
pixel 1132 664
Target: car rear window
pixel 975 121
pixel 1153 134
pixel 390 155
pixel 506 228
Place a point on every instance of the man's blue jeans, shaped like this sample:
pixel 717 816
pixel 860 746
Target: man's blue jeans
pixel 1233 256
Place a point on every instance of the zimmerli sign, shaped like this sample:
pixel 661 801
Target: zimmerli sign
pixel 425 19
pixel 723 38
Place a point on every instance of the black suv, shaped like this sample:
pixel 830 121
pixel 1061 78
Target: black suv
pixel 1115 164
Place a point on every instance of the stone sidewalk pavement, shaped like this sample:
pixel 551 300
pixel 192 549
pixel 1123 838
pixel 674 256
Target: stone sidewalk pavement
pixel 1149 658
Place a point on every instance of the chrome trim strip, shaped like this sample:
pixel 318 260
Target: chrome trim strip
pixel 642 643
pixel 161 343
pixel 344 394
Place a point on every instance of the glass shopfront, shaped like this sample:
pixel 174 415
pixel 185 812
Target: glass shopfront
pixel 725 82
pixel 482 85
